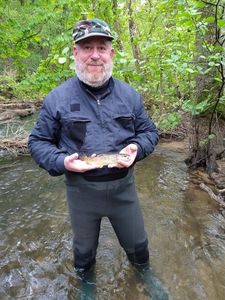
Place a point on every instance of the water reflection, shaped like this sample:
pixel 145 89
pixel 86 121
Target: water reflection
pixel 185 228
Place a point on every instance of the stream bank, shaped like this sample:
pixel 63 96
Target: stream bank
pixel 17 119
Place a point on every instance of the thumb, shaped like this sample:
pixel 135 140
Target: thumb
pixel 73 156
pixel 133 148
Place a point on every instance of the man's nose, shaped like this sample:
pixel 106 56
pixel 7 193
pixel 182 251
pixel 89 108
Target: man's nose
pixel 95 54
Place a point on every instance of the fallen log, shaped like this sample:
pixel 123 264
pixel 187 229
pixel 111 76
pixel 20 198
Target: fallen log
pixel 11 110
pixel 11 114
pixel 14 145
pixel 19 105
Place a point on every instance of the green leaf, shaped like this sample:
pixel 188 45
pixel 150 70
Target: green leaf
pixel 169 121
pixel 65 50
pixel 123 60
pixel 206 140
pixel 188 105
pixel 211 136
pixel 62 60
pixel 72 66
pixel 221 23
pixel 210 19
pixel 190 70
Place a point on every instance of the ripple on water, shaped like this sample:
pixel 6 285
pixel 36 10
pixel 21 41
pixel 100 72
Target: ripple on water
pixel 186 238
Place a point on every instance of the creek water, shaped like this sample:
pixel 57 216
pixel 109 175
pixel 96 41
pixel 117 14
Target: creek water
pixel 186 232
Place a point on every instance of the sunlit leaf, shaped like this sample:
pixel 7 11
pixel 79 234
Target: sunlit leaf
pixel 221 23
pixel 72 66
pixel 65 50
pixel 62 60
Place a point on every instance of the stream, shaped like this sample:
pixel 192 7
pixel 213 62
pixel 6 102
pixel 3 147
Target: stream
pixel 186 232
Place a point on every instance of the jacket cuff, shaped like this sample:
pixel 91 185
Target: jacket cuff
pixel 60 163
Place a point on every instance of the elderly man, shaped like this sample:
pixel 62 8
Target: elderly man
pixel 94 113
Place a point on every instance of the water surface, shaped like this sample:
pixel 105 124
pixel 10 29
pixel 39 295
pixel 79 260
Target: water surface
pixel 186 232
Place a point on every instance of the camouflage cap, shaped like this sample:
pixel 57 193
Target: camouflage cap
pixel 94 27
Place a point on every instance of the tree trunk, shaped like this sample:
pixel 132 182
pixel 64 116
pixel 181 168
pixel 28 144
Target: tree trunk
pixel 117 25
pixel 133 34
pixel 207 132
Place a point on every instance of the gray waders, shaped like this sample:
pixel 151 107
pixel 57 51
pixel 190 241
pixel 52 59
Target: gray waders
pixel 89 201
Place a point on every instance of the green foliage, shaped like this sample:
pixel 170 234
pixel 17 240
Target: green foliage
pixel 195 108
pixel 7 87
pixel 169 121
pixel 221 106
pixel 11 89
pixel 36 45
pixel 204 142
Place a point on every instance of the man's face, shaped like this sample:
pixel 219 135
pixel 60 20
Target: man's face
pixel 93 60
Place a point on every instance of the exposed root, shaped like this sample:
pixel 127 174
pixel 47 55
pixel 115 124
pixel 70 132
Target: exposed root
pixel 217 198
pixel 172 135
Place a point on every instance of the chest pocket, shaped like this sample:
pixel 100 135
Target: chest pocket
pixel 77 130
pixel 125 128
pixel 125 121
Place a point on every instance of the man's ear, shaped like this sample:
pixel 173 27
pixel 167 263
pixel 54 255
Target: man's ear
pixel 74 52
pixel 112 52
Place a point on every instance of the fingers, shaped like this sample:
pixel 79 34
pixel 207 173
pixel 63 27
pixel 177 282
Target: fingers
pixel 117 165
pixel 74 164
pixel 82 167
pixel 131 149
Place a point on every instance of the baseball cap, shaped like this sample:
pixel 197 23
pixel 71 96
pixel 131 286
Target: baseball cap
pixel 94 27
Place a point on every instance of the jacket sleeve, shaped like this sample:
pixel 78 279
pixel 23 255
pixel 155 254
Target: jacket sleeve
pixel 146 133
pixel 43 140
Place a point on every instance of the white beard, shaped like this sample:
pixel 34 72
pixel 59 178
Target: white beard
pixel 93 79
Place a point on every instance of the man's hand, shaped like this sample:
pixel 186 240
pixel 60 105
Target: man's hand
pixel 131 150
pixel 73 164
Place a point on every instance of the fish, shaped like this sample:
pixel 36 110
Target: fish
pixel 102 160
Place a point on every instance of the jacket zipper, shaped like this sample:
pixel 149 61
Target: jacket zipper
pixel 97 99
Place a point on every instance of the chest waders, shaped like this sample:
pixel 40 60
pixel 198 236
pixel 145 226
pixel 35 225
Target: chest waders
pixel 89 202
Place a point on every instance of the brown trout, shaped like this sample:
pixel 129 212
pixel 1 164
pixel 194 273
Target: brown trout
pixel 102 160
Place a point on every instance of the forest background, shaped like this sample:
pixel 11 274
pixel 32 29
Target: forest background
pixel 171 51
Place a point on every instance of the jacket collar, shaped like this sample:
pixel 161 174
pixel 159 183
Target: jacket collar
pixel 99 92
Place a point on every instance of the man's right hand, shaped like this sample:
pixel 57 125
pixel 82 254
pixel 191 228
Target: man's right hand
pixel 73 164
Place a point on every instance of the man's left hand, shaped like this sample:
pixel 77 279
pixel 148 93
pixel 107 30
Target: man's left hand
pixel 131 150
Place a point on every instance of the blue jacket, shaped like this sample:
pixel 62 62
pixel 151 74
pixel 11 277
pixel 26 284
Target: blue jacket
pixel 73 120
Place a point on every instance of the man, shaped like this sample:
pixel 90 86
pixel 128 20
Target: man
pixel 94 113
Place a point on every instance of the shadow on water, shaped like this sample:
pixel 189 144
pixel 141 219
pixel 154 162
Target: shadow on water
pixel 186 234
